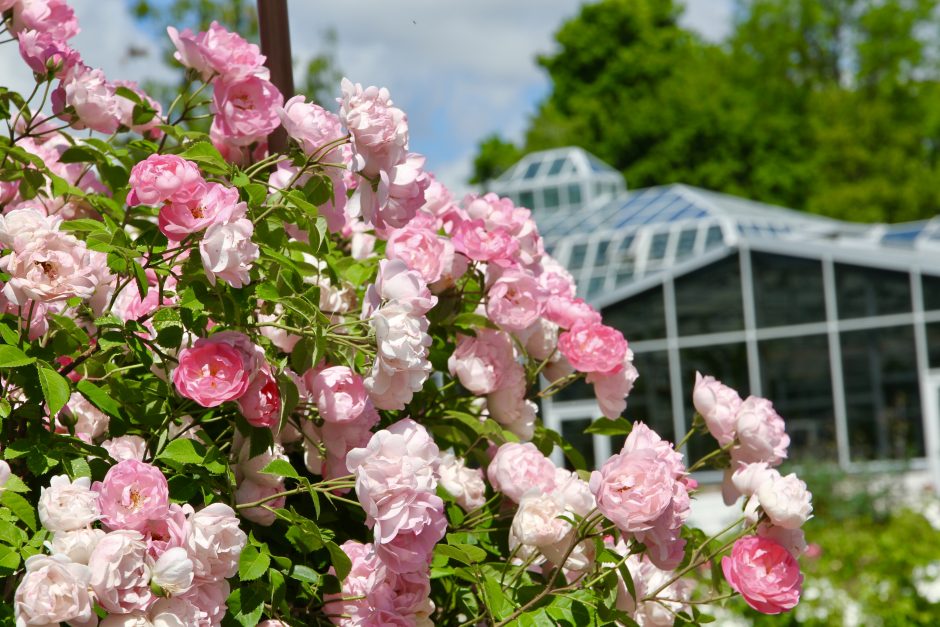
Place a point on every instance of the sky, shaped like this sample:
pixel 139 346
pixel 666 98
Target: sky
pixel 459 70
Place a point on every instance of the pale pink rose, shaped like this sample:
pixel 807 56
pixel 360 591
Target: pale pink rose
pixel 792 540
pixel 54 17
pixel 217 204
pixel 126 447
pixel 761 433
pixel 208 597
pixel 218 52
pixel 339 394
pixel 245 110
pixel 249 492
pixel 648 578
pixel 379 130
pixel 516 468
pixel 765 573
pixel 173 571
pixel 480 362
pixel 573 492
pixel 464 484
pixel 46 55
pixel 509 406
pixel 422 250
pixel 537 525
pixel 746 479
pixel 396 283
pixel 250 467
pixel 120 575
pixel 88 93
pixel 786 501
pixel 406 183
pixel 593 348
pixel 410 549
pixel 67 505
pixel 131 494
pixel 313 127
pixel 514 300
pixel 473 239
pixel 126 108
pixel 642 437
pixel 362 245
pixel 85 417
pixel 166 612
pixel 366 581
pixel 19 226
pixel 211 373
pixel 51 267
pixel 401 366
pixel 556 280
pixel 566 312
pixel 718 404
pixel 665 546
pixel 54 590
pixel 228 253
pixel 540 340
pixel 261 402
pixel 165 178
pixel 77 545
pixel 283 339
pixel 612 390
pixel 633 489
pixel 215 542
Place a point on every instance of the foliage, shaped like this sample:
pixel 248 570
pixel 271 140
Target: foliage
pixel 828 107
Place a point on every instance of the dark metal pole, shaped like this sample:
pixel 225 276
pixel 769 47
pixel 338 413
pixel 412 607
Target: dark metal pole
pixel 275 45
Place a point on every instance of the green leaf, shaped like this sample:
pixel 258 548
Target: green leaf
pixel 340 560
pixel 253 563
pixel 79 154
pixel 247 603
pixel 20 508
pixel 305 573
pixel 280 468
pixel 12 357
pixel 605 426
pixel 55 388
pixel 99 398
pixel 183 451
pixel 9 560
pixel 208 158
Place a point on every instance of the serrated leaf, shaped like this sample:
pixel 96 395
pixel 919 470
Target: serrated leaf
pixel 305 573
pixel 183 451
pixel 20 508
pixel 605 426
pixel 280 468
pixel 99 398
pixel 9 559
pixel 247 603
pixel 341 561
pixel 55 388
pixel 253 563
pixel 12 357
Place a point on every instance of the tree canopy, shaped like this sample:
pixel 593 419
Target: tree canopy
pixel 827 106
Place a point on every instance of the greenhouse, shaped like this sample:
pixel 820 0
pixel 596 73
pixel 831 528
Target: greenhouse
pixel 838 323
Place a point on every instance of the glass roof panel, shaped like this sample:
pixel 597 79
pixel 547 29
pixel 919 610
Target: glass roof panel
pixel 556 166
pixel 532 170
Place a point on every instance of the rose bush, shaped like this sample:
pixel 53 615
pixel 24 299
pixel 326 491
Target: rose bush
pixel 301 387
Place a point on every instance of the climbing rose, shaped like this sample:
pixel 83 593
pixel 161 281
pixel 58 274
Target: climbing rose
pixel 132 494
pixel 246 111
pixel 215 204
pixel 765 573
pixel 211 373
pixel 718 404
pixel 54 590
pixel 516 468
pixel 66 505
pixel 165 178
pixel 228 253
pixel 219 52
pixel 593 347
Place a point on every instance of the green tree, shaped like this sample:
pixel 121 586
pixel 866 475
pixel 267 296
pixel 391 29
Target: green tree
pixel 495 157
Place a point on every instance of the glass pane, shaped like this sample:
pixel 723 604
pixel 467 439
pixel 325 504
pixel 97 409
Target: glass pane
pixel 601 258
pixel 787 290
pixel 933 344
pixel 864 292
pixel 803 395
pixel 556 166
pixel 596 285
pixel 640 317
pixel 651 400
pixel 725 362
pixel 573 431
pixel 686 243
pixel 931 287
pixel 881 393
pixel 574 194
pixel 531 170
pixel 576 259
pixel 550 194
pixel 709 299
pixel 526 199
pixel 577 391
pixel 714 237
pixel 625 255
pixel 658 245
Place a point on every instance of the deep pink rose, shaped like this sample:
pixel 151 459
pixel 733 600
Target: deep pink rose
pixel 132 494
pixel 246 110
pixel 517 468
pixel 217 204
pixel 339 394
pixel 261 402
pixel 211 373
pixel 765 573
pixel 165 178
pixel 593 347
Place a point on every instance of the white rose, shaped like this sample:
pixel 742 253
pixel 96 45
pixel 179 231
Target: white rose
pixel 464 484
pixel 76 545
pixel 537 523
pixel 574 492
pixel 120 575
pixel 173 571
pixel 786 501
pixel 54 590
pixel 792 540
pixel 126 447
pixel 228 253
pixel 67 505
pixel 50 267
pixel 5 473
pixel 21 225
pixel 748 478
pixel 215 542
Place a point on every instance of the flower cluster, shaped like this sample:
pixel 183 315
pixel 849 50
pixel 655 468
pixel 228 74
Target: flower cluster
pixel 150 558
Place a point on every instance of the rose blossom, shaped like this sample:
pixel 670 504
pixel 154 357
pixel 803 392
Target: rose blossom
pixel 211 373
pixel 401 366
pixel 464 484
pixel 173 571
pixel 217 204
pixel 51 267
pixel 120 575
pixel 19 226
pixel 718 404
pixel 395 282
pixel 228 253
pixel 86 418
pixel 537 525
pixel 611 390
pixel 251 491
pixel 785 500
pixel 91 96
pixel 509 406
pixel 44 54
pixel 379 130
pixel 52 591
pixel 312 126
pixel 209 597
pixel 473 239
pixel 516 468
pixel 126 447
pixel 246 110
pixel 131 494
pixel 514 301
pixel 165 178
pixel 480 362
pixel 765 573
pixel 633 489
pixel 66 505
pixel 761 433
pixel 422 250
pixel 261 402
pixel 339 394
pixel 566 312
pixel 215 542
pixel 592 347
pixel 410 549
pixel 217 51
pixel 77 545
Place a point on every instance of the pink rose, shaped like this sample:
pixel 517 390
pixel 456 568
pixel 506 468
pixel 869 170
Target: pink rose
pixel 718 404
pixel 509 406
pixel 410 549
pixel 361 588
pixel 566 312
pixel 422 250
pixel 473 239
pixel 765 573
pixel 120 575
pixel 517 468
pixel 515 301
pixel 87 91
pixel 396 283
pixel 261 402
pixel 592 347
pixel 313 127
pixel 208 597
pixel 126 447
pixel 402 189
pixel 46 55
pixel 340 394
pixel 215 542
pixel 218 52
pixel 611 390
pixel 211 373
pixel 761 433
pixel 464 484
pixel 54 17
pixel 131 494
pixel 228 253
pixel 54 590
pixel 165 178
pixel 379 130
pixel 51 267
pixel 480 362
pixel 246 110
pixel 401 366
pixel 217 204
pixel 633 489
pixel 250 492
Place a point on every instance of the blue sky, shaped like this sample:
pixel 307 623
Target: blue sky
pixel 460 70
